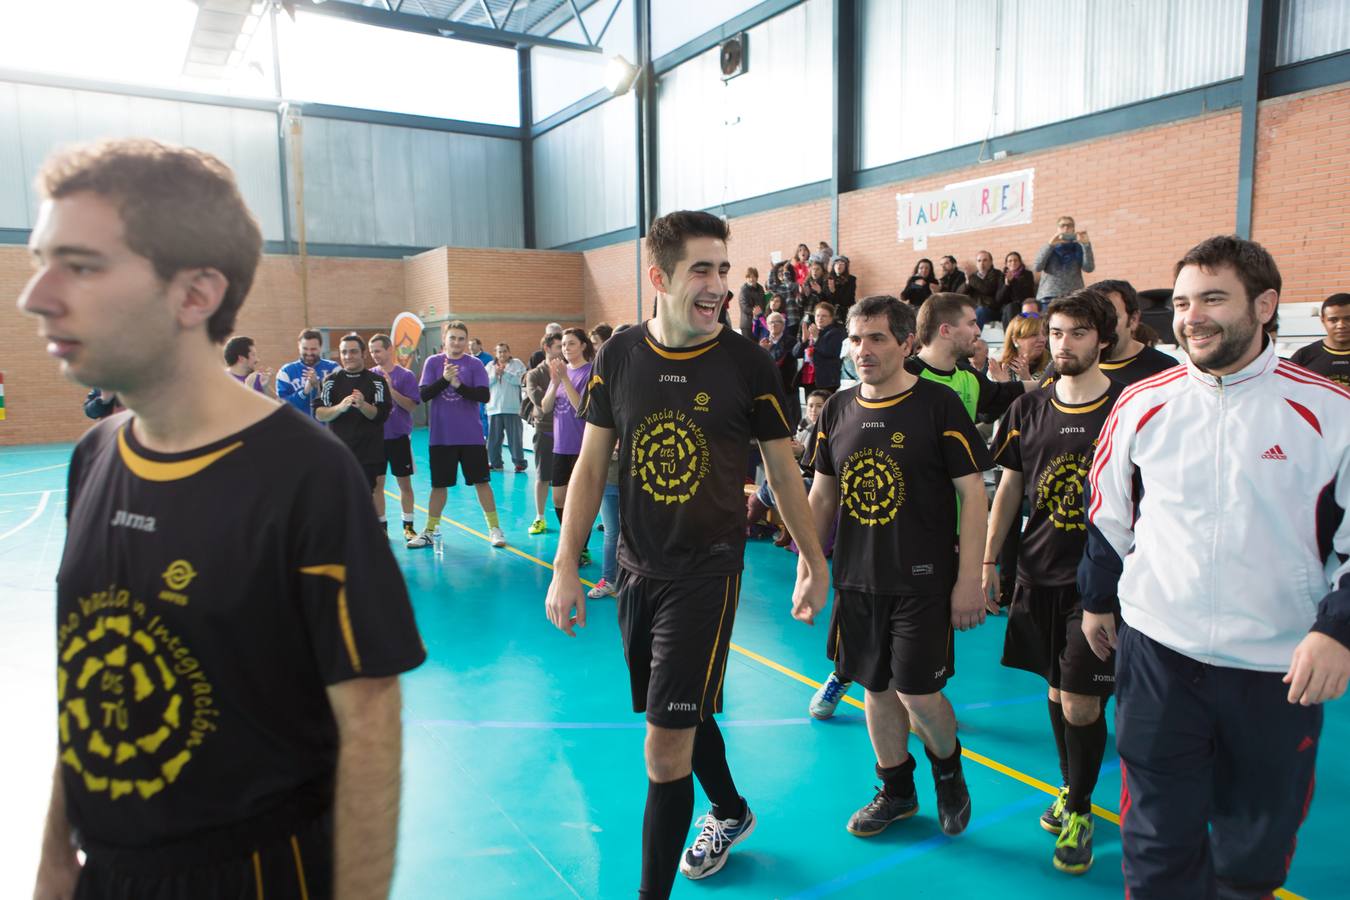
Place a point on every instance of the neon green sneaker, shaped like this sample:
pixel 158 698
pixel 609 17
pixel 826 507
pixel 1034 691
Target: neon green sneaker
pixel 538 526
pixel 1073 850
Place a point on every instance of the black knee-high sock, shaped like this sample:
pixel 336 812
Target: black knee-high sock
pixel 710 767
pixel 1087 746
pixel 670 806
pixel 1057 726
pixel 585 540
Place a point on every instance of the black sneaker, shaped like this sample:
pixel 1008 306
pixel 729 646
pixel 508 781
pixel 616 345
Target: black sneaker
pixel 884 809
pixel 1052 820
pixel 953 800
pixel 1073 850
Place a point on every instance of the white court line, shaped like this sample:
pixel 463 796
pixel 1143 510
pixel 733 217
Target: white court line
pixel 42 505
pixel 31 471
pixel 30 493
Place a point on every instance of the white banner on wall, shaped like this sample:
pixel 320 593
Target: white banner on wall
pixel 993 202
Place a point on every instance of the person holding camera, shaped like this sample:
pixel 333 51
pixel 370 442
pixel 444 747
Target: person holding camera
pixel 1063 261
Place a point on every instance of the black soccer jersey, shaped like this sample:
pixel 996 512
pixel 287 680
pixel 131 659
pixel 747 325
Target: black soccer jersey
pixel 364 436
pixel 1318 357
pixel 1125 372
pixel 895 459
pixel 685 418
pixel 205 601
pixel 1051 443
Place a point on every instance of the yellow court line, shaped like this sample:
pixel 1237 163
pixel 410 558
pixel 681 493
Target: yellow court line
pixel 966 752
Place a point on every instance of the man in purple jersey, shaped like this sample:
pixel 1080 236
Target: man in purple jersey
pixel 453 384
pixel 397 428
pixel 241 361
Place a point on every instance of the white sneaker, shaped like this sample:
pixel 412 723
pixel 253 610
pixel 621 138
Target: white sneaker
pixel 602 589
pixel 497 537
pixel 425 539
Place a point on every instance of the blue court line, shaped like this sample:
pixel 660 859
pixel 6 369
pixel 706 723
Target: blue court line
pixel 872 869
pixel 595 726
pixel 994 704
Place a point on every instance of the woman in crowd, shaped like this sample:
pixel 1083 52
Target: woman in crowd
pixel 841 287
pixel 920 285
pixel 1024 350
pixel 564 400
pixel 814 289
pixel 801 263
pixel 1018 285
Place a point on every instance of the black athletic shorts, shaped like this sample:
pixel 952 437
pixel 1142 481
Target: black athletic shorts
pixel 889 642
pixel 1045 636
pixel 398 456
pixel 676 637
pixel 446 459
pixel 563 464
pixel 294 866
pixel 543 455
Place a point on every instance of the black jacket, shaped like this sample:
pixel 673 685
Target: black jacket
pixel 952 282
pixel 917 290
pixel 751 295
pixel 983 288
pixel 1021 288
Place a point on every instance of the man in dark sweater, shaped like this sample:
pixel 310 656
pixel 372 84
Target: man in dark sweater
pixel 982 285
pixel 354 402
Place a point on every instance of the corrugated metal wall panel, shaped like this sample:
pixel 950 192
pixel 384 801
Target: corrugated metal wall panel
pixel 585 175
pixel 385 185
pixel 35 121
pixel 765 131
pixel 928 69
pixel 676 22
pixel 1312 28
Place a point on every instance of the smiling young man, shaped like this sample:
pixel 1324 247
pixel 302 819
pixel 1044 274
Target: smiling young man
pixel 241 361
pixel 1330 357
pixel 354 403
pixel 1216 527
pixel 1045 447
pixel 453 385
pixel 685 396
pixel 228 694
pixel 889 452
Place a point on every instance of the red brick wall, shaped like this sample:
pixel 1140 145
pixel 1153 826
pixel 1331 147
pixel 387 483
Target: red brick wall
pixel 1302 193
pixel 608 280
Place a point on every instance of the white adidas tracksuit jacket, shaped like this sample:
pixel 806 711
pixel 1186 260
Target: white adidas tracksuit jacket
pixel 1238 544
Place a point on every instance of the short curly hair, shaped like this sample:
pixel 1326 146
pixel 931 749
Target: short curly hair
pixel 181 209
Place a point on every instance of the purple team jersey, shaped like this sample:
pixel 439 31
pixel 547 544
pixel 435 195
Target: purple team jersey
pixel 454 419
pixel 567 423
pixel 243 379
pixel 399 422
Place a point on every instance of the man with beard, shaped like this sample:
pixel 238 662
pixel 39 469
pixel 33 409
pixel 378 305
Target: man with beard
pixel 1045 448
pixel 890 452
pixel 1216 528
pixel 1131 359
pixel 298 382
pixel 1330 358
pixel 355 402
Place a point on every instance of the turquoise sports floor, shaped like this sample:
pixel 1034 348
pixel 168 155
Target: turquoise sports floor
pixel 523 773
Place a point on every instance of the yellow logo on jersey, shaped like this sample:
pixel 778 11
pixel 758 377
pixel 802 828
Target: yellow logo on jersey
pixel 1059 491
pixel 134 702
pixel 179 574
pixel 898 441
pixel 872 487
pixel 670 456
pixel 701 400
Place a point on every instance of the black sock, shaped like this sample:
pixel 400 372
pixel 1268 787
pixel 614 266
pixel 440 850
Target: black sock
pixel 710 766
pixel 670 807
pixel 1087 746
pixel 945 766
pixel 1057 726
pixel 898 781
pixel 558 511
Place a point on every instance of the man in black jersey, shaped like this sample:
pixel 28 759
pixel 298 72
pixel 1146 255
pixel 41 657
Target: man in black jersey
pixel 228 637
pixel 1330 358
pixel 684 395
pixel 1130 360
pixel 1045 447
pixel 888 454
pixel 354 402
